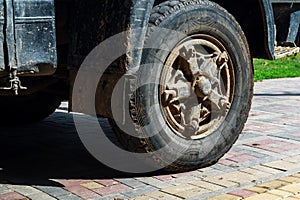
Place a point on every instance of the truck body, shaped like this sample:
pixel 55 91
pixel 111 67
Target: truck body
pixel 43 44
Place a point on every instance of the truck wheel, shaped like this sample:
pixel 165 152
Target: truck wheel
pixel 194 99
pixel 27 109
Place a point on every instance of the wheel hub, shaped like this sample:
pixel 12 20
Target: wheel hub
pixel 197 86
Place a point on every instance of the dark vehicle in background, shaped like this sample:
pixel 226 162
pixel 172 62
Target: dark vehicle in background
pixel 44 42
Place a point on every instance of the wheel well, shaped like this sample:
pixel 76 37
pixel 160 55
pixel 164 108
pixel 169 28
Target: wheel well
pixel 249 15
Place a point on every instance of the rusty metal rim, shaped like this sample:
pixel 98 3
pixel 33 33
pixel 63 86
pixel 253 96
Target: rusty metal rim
pixel 216 46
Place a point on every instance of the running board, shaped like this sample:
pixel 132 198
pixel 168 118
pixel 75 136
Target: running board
pixel 284 51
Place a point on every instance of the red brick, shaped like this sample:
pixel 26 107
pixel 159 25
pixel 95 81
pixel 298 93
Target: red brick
pixel 241 158
pixel 295 135
pixel 242 193
pixel 12 196
pixel 112 189
pixel 82 192
pixel 273 149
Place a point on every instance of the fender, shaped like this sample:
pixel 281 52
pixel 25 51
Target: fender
pixel 255 17
pixel 268 22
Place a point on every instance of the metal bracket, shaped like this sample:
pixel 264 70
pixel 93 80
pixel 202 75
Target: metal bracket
pixel 15 83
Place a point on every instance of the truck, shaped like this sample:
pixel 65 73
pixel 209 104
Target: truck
pixel 167 74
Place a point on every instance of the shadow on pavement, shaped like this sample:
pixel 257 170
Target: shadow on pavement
pixel 35 154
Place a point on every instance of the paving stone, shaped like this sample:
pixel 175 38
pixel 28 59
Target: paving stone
pixel 107 182
pixel 211 172
pixel 164 177
pixel 273 184
pixel 282 165
pixel 207 185
pixel 162 196
pixel 293 159
pixel 280 193
pixel 285 136
pixel 4 190
pixel 250 163
pixel 229 163
pixel 290 198
pixel 185 174
pixel 268 153
pixel 53 191
pixel 290 179
pixel 192 193
pixel 92 185
pixel 269 159
pixel 69 197
pixel 139 191
pixel 242 158
pixel 251 153
pixel 225 167
pixel 131 182
pixel 248 136
pixel 68 183
pixel 292 188
pixel 258 174
pixel 40 196
pixel 225 197
pixel 296 175
pixel 238 177
pixel 181 180
pixel 114 189
pixel 112 197
pixel 292 153
pixel 154 182
pixel 12 196
pixel 256 189
pixel 144 197
pixel 242 193
pixel 179 188
pixel 221 181
pixel 82 192
pixel 266 169
pixel 24 190
pixel 264 196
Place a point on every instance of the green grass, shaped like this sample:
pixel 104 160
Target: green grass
pixel 280 68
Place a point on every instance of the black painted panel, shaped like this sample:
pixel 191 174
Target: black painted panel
pixel 35 36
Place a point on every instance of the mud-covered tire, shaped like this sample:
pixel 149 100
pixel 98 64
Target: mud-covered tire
pixel 188 17
pixel 28 108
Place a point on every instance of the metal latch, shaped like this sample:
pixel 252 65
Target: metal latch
pixel 14 82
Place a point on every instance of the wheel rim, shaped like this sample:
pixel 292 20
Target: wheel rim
pixel 197 86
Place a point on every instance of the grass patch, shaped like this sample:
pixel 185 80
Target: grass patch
pixel 280 68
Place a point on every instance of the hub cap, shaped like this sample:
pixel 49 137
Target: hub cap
pixel 197 86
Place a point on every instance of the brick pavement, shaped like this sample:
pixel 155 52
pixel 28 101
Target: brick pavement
pixel 47 161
